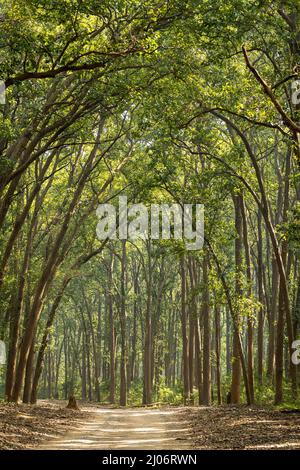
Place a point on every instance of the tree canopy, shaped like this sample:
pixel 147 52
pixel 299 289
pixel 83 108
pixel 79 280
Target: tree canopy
pixel 165 102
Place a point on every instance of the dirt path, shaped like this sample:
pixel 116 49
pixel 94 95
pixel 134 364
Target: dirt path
pixel 49 425
pixel 127 429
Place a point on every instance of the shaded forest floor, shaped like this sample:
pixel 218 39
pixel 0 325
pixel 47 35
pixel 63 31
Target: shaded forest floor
pixel 49 425
pixel 24 426
pixel 243 428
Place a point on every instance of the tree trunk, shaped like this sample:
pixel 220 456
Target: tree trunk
pixel 206 394
pixel 123 364
pixel 218 352
pixel 249 292
pixel 28 376
pixel 236 369
pixel 260 329
pixel 147 392
pixel 185 355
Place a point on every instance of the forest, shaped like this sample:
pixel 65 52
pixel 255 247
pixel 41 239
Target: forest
pixel 164 102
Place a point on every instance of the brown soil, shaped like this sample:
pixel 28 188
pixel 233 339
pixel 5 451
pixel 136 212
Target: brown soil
pixel 24 426
pixel 49 425
pixel 127 428
pixel 229 427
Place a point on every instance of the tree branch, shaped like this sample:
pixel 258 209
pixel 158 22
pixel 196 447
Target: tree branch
pixel 268 91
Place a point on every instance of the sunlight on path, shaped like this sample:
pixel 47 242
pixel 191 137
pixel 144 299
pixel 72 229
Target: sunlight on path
pixel 126 429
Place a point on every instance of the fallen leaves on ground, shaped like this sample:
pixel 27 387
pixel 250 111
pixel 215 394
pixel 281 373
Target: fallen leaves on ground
pixel 241 427
pixel 215 427
pixel 24 426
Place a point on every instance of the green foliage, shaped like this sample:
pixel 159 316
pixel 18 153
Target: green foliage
pixel 154 100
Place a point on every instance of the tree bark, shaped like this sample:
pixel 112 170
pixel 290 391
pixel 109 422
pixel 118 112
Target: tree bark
pixel 185 354
pixel 123 364
pixel 206 394
pixel 236 369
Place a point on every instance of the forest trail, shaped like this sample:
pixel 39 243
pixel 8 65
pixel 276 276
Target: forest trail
pixel 130 428
pixel 50 425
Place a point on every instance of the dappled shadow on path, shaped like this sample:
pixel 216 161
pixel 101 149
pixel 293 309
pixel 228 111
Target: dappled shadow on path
pixel 127 429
